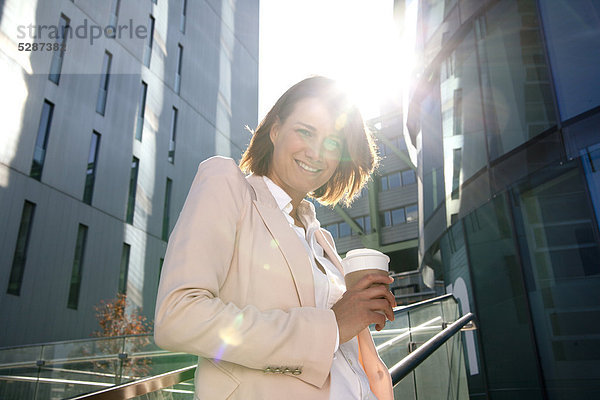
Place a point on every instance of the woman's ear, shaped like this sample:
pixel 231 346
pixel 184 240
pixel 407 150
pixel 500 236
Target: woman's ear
pixel 274 131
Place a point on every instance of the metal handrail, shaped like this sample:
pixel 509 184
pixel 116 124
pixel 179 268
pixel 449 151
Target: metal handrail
pixel 154 383
pixel 414 359
pixel 143 386
pixel 401 309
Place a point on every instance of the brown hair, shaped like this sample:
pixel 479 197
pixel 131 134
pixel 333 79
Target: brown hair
pixel 359 155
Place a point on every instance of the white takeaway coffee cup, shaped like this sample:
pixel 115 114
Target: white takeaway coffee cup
pixel 360 262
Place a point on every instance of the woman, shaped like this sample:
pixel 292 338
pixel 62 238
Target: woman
pixel 253 285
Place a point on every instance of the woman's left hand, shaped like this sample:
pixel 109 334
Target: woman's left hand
pixel 364 304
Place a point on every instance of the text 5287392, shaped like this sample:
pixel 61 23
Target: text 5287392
pixel 42 46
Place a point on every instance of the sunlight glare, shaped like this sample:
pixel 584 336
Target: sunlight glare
pixel 356 42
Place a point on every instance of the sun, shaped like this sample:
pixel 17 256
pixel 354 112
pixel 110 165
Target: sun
pixel 357 43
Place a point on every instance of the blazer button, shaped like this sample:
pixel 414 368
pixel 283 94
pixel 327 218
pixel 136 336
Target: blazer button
pixel 277 370
pixel 287 370
pixel 297 371
pixel 268 369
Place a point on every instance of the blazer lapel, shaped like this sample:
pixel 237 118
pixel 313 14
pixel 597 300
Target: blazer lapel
pixel 286 240
pixel 329 250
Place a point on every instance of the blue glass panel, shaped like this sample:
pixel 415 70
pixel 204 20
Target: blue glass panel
pixel 572 34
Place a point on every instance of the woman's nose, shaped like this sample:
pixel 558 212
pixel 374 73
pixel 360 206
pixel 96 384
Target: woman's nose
pixel 314 149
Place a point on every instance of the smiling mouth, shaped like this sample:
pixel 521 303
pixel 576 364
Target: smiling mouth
pixel 307 167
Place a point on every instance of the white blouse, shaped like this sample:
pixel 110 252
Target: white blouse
pixel 348 379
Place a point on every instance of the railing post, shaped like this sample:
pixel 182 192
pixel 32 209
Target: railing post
pixel 39 363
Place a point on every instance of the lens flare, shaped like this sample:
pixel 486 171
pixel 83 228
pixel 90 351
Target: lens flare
pixel 230 336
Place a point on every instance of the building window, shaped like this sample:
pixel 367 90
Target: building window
pixel 408 177
pixel 135 166
pixel 178 71
pixel 412 213
pixel 395 141
pixel 104 78
pixel 148 50
pixel 182 18
pixel 39 154
pixel 333 229
pixel 457 112
pixel 364 223
pixel 124 269
pixel 77 270
pixel 172 139
pixel 160 267
pixel 457 161
pixel 114 16
pixel 155 1
pixel 57 56
pixel 364 192
pixel 397 179
pixel 167 210
pixel 344 229
pixel 90 173
pixel 141 111
pixel 394 180
pixel 20 255
pixel 400 215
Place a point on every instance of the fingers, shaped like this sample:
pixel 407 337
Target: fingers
pixel 380 291
pixel 378 320
pixel 382 305
pixel 373 278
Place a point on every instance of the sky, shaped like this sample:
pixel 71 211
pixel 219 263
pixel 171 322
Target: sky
pixel 355 42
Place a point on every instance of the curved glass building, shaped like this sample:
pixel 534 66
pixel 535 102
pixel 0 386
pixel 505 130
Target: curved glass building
pixel 505 118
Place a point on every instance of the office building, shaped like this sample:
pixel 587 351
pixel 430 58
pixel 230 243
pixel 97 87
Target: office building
pixel 108 108
pixel 505 117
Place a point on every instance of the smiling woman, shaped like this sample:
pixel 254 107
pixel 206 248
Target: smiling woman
pixel 254 286
pixel 320 112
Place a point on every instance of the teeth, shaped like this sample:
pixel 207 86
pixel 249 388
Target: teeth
pixel 306 167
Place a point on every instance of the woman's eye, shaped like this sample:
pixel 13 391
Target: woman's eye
pixel 304 132
pixel 332 144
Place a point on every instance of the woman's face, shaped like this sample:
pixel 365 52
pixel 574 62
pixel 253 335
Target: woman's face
pixel 306 149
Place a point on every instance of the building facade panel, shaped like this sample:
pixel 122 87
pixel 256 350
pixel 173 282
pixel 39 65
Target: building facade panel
pixel 570 29
pixel 509 202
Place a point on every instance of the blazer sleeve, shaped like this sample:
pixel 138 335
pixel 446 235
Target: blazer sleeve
pixel 190 317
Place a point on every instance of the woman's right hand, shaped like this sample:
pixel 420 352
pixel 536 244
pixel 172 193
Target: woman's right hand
pixel 358 306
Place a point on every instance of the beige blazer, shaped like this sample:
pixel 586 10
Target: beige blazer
pixel 237 290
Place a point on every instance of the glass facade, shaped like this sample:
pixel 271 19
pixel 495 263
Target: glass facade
pixel 135 166
pixel 77 271
pixel 58 56
pixel 166 228
pixel 511 197
pixel 41 142
pixel 124 268
pixel 173 136
pixel 149 42
pixel 139 126
pixel 104 79
pixel 178 70
pixel 90 172
pixel 20 256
